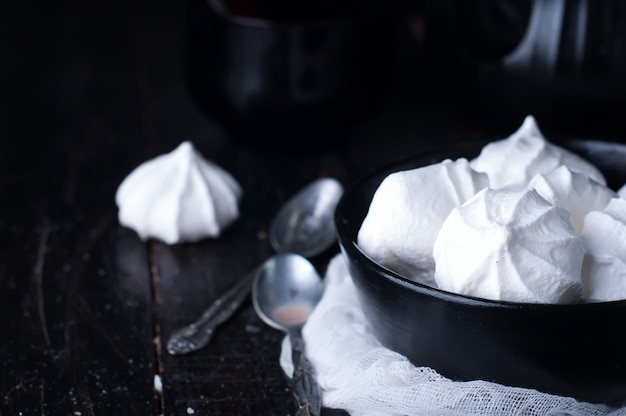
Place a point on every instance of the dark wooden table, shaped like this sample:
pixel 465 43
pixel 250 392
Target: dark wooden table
pixel 87 93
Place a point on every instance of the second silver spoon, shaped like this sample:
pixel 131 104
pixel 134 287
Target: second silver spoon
pixel 284 293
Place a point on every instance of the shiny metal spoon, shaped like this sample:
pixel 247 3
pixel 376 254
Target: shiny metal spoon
pixel 304 225
pixel 284 293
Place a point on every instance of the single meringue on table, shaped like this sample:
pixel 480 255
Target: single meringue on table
pixel 512 245
pixel 526 153
pixel 604 265
pixel 573 191
pixel 178 197
pixel 404 217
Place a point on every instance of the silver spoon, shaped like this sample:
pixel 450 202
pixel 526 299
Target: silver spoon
pixel 284 293
pixel 304 225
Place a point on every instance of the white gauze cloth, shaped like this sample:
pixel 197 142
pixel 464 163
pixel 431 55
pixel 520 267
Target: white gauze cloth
pixel 358 374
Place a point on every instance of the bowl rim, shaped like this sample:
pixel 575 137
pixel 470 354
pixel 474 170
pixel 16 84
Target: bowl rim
pixel 348 242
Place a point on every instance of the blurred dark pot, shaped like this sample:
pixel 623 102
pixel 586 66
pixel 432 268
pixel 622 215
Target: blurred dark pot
pixel 282 81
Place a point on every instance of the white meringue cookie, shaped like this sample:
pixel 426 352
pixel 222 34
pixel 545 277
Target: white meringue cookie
pixel 516 159
pixel 621 192
pixel 604 266
pixel 404 218
pixel 575 192
pixel 178 197
pixel 511 245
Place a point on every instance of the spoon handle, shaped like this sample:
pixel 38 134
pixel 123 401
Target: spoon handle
pixel 305 389
pixel 198 334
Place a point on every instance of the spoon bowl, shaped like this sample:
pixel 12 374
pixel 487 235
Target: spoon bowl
pixel 286 290
pixel 304 225
pixel 284 293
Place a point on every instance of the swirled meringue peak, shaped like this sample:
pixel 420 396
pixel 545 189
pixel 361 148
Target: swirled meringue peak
pixel 573 191
pixel 604 265
pixel 404 218
pixel 621 192
pixel 511 245
pixel 178 197
pixel 516 159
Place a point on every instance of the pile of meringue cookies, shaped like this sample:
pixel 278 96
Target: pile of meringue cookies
pixel 525 221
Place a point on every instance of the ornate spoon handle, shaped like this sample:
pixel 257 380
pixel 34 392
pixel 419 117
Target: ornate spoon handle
pixel 305 389
pixel 198 334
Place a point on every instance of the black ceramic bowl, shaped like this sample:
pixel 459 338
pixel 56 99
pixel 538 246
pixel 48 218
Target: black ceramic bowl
pixel 570 350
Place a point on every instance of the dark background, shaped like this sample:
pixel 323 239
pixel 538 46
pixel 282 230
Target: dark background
pixel 88 90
